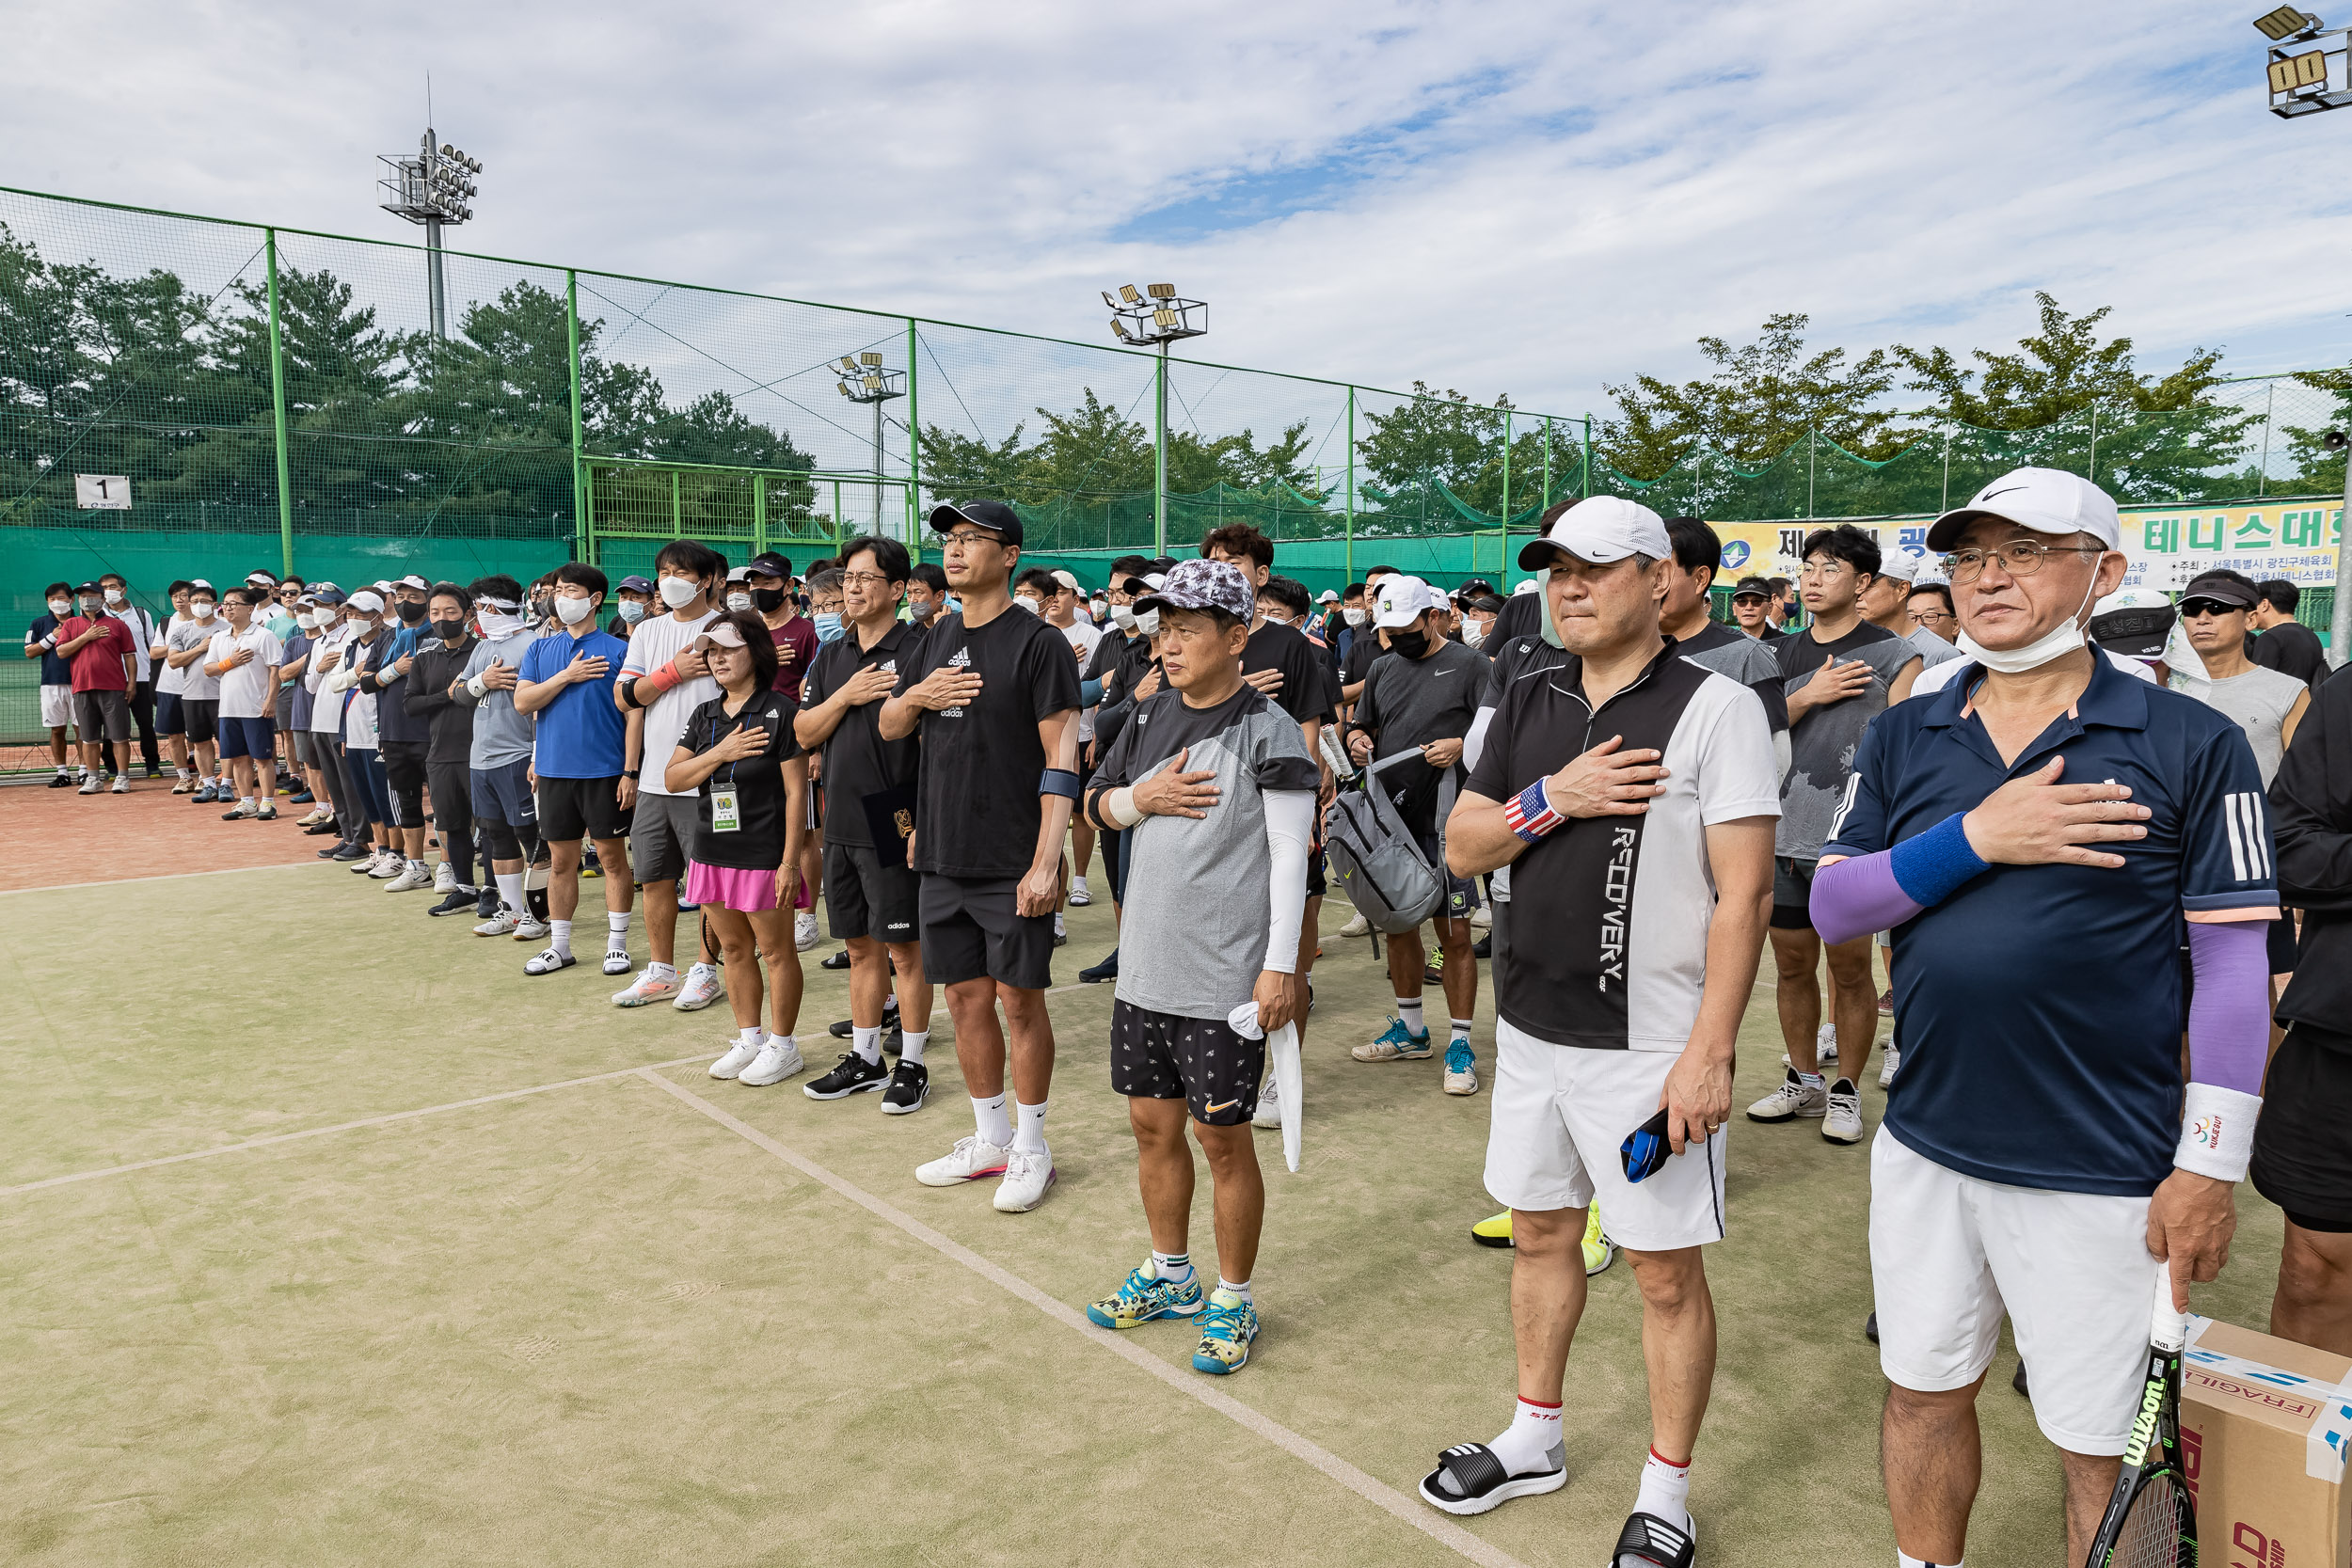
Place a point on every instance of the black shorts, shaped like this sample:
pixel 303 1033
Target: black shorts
pixel 864 897
pixel 571 808
pixel 403 773
pixel 203 718
pixel 2303 1142
pixel 1316 887
pixel 1792 893
pixel 167 717
pixel 2281 945
pixel 1201 1061
pixel 970 932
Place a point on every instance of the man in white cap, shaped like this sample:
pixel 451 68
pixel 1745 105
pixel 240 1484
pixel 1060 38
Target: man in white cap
pixel 1632 791
pixel 2041 1160
pixel 1423 699
pixel 1885 603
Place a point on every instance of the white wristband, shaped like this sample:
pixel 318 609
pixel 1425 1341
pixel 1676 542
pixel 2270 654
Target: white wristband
pixel 1119 806
pixel 478 689
pixel 2217 1131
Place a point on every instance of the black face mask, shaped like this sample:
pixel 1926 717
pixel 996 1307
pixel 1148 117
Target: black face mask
pixel 448 631
pixel 1412 644
pixel 542 606
pixel 767 599
pixel 411 612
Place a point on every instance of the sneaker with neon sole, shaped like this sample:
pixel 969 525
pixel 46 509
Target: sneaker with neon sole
pixel 646 991
pixel 1228 1326
pixel 970 1160
pixel 1144 1296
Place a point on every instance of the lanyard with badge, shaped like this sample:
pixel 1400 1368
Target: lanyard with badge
pixel 726 807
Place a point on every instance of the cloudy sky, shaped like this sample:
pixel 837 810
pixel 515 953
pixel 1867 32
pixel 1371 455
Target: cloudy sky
pixel 1537 199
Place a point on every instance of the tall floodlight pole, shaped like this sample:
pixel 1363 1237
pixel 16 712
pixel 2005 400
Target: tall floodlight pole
pixel 1158 317
pixel 435 188
pixel 865 380
pixel 2309 81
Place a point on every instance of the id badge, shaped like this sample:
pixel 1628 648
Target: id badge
pixel 727 816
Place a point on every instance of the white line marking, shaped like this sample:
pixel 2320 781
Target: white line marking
pixel 1378 1493
pixel 166 876
pixel 322 1131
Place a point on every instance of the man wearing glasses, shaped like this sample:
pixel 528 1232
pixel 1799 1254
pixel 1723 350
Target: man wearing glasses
pixel 1839 672
pixel 2040 1158
pixel 994 694
pixel 1752 608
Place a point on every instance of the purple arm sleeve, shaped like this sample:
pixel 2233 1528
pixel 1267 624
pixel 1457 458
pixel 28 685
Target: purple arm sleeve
pixel 2228 1017
pixel 1857 897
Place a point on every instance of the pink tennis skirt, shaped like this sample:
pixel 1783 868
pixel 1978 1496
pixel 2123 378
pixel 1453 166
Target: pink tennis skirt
pixel 744 891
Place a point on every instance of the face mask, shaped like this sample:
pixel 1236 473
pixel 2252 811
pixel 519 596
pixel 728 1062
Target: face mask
pixel 1275 617
pixel 539 606
pixel 1122 617
pixel 1353 617
pixel 93 608
pixel 448 631
pixel 61 608
pixel 1543 586
pixel 767 600
pixel 201 609
pixel 1149 623
pixel 2056 643
pixel 735 601
pixel 1028 604
pixel 496 626
pixel 1412 644
pixel 1101 608
pixel 114 595
pixel 411 612
pixel 306 621
pixel 631 611
pixel 1473 633
pixel 828 627
pixel 573 612
pixel 678 592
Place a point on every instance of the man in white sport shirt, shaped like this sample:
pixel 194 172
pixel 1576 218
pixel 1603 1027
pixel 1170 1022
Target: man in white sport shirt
pixel 243 657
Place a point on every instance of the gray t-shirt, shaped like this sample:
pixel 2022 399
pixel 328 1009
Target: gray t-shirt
pixel 501 734
pixel 2260 701
pixel 1193 930
pixel 1822 743
pixel 195 685
pixel 1932 650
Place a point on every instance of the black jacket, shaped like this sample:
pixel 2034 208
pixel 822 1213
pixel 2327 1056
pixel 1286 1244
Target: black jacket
pixel 2310 810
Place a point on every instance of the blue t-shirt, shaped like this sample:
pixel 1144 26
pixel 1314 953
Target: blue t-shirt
pixel 2040 1007
pixel 581 735
pixel 54 671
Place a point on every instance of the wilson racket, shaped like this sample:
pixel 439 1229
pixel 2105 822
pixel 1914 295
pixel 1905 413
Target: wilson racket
pixel 2150 1520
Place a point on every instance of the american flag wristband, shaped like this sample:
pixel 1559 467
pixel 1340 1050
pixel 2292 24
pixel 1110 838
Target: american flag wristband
pixel 1529 813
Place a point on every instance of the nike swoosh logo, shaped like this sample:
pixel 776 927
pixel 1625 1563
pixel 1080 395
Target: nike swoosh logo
pixel 1227 1106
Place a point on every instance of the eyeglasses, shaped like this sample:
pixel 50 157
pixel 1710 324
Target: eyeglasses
pixel 2019 558
pixel 1929 617
pixel 861 580
pixel 969 537
pixel 1822 569
pixel 2193 609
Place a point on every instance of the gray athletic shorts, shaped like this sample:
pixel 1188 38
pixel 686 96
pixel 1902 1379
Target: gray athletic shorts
pixel 662 835
pixel 313 749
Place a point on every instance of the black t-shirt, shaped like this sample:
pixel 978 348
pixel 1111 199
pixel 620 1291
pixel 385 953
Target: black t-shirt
pixel 2293 649
pixel 1408 702
pixel 858 761
pixel 1358 665
pixel 1752 664
pixel 428 699
pixel 761 794
pixel 1305 691
pixel 978 812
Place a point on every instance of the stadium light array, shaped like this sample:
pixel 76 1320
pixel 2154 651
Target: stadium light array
pixel 435 188
pixel 1154 317
pixel 863 378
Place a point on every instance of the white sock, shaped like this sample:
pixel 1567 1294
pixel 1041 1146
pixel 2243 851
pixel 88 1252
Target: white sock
pixel 1078 884
pixel 560 936
pixel 1059 929
pixel 1811 1079
pixel 1174 1267
pixel 753 1037
pixel 867 1043
pixel 1665 1490
pixel 416 864
pixel 1030 1136
pixel 995 1127
pixel 662 971
pixel 1241 1290
pixel 510 890
pixel 1525 1446
pixel 1904 1560
pixel 246 801
pixel 1461 1029
pixel 1408 1008
pixel 911 1044
pixel 616 932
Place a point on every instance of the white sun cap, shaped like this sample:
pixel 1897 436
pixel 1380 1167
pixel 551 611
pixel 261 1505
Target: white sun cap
pixel 2047 500
pixel 1599 529
pixel 1402 601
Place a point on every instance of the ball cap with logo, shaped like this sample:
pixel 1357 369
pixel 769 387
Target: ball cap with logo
pixel 1753 588
pixel 2134 622
pixel 770 564
pixel 2221 590
pixel 2047 500
pixel 1597 531
pixel 636 585
pixel 1403 600
pixel 995 516
pixel 1202 585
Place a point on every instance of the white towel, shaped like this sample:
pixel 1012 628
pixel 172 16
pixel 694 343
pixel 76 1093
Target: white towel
pixel 1288 1077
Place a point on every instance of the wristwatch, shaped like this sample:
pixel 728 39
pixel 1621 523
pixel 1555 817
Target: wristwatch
pixel 631 772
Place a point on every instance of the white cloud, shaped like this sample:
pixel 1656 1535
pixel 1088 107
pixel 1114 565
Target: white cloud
pixel 1497 197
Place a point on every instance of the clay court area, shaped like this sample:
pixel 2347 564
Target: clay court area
pixel 330 1237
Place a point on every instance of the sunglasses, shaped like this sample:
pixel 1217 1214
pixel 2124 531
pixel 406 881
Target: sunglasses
pixel 2195 609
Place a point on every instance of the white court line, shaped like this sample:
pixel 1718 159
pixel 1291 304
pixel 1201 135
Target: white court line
pixel 1193 1384
pixel 166 876
pixel 323 1132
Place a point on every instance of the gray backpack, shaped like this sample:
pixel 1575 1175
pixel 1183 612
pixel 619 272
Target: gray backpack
pixel 1374 859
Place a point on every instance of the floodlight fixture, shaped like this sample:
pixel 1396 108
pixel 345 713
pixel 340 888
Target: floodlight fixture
pixel 2285 22
pixel 1156 317
pixel 430 188
pixel 866 381
pixel 1127 292
pixel 869 357
pixel 1162 291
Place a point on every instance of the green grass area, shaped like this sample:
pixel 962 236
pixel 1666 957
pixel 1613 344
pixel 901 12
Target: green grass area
pixel 593 1325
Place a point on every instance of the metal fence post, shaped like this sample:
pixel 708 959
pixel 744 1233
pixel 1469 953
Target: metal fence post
pixel 583 539
pixel 915 451
pixel 1585 486
pixel 278 412
pixel 759 512
pixel 1547 462
pixel 1159 464
pixel 2093 475
pixel 2340 611
pixel 1347 558
pixel 1506 478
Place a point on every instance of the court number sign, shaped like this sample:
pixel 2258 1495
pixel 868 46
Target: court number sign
pixel 102 492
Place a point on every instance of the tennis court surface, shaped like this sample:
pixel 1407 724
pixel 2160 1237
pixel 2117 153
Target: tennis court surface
pixel 330 1237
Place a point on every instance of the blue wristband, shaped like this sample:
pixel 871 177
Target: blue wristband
pixel 1936 865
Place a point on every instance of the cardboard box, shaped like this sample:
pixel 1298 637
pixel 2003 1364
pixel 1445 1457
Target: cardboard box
pixel 2265 1426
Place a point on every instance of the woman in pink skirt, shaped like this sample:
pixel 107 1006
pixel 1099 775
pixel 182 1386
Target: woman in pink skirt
pixel 738 754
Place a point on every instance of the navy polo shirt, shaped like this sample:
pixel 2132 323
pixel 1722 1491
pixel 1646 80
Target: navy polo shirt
pixel 2040 1007
pixel 581 735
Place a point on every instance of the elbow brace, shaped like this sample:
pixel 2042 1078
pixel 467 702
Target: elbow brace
pixel 1059 782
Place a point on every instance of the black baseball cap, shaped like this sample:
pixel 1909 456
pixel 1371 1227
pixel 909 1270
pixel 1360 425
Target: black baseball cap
pixel 2222 590
pixel 634 585
pixel 770 564
pixel 1752 585
pixel 995 516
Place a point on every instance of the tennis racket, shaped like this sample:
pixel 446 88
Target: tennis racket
pixel 2150 1520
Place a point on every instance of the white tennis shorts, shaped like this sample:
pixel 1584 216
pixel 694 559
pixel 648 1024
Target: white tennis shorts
pixel 1949 1254
pixel 1556 1117
pixel 56 707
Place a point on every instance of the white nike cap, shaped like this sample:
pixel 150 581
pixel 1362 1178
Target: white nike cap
pixel 2047 500
pixel 1599 529
pixel 1402 601
pixel 1903 565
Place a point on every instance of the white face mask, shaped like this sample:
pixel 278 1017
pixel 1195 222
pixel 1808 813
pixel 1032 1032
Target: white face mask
pixel 114 595
pixel 306 621
pixel 1473 633
pixel 1149 623
pixel 1275 617
pixel 739 601
pixel 573 612
pixel 1028 604
pixel 1100 609
pixel 61 608
pixel 678 592
pixel 201 609
pixel 1353 617
pixel 2056 643
pixel 1122 617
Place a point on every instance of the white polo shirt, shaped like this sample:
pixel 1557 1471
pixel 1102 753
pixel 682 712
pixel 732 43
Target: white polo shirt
pixel 246 691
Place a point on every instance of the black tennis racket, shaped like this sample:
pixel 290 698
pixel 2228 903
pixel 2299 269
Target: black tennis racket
pixel 2150 1520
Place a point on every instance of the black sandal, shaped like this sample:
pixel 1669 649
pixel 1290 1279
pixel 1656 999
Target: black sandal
pixel 1481 1482
pixel 1646 1539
